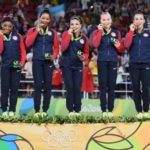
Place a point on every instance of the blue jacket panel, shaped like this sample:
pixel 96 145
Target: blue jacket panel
pixel 11 50
pixel 140 48
pixel 107 51
pixel 43 44
pixel 70 57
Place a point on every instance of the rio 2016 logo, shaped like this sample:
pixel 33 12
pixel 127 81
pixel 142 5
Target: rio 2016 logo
pixel 111 138
pixel 11 141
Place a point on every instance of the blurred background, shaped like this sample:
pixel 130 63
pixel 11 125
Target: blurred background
pixel 25 12
pixel 25 15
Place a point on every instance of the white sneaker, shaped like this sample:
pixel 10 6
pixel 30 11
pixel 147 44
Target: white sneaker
pixel 110 114
pixel 37 114
pixel 139 115
pixel 5 114
pixel 74 114
pixel 71 114
pixel 43 114
pixel 77 114
pixel 146 115
pixel 11 114
pixel 104 114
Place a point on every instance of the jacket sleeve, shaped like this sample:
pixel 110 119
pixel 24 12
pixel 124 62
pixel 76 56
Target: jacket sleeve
pixel 97 36
pixel 30 37
pixel 66 38
pixel 1 44
pixel 128 39
pixel 86 51
pixel 22 51
pixel 121 47
pixel 56 45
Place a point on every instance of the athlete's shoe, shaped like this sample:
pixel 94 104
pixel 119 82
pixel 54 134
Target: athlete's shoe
pixel 110 114
pixel 43 114
pixel 104 114
pixel 146 115
pixel 37 114
pixel 71 114
pixel 77 114
pixel 11 114
pixel 5 114
pixel 139 116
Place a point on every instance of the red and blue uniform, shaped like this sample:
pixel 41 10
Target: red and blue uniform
pixel 138 45
pixel 42 44
pixel 72 68
pixel 12 49
pixel 107 65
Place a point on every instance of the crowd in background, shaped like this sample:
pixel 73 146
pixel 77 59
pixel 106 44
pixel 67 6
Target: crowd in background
pixel 25 12
pixel 25 15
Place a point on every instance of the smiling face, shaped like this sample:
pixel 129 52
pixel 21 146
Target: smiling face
pixel 75 25
pixel 139 20
pixel 106 20
pixel 7 27
pixel 45 20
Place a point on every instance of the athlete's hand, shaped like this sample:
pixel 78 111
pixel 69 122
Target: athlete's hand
pixel 100 27
pixel 21 66
pixel 81 57
pixel 70 31
pixel 117 43
pixel 51 58
pixel 132 27
pixel 39 26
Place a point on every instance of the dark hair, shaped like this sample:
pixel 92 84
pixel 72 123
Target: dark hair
pixel 45 11
pixel 138 12
pixel 105 13
pixel 7 19
pixel 77 18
